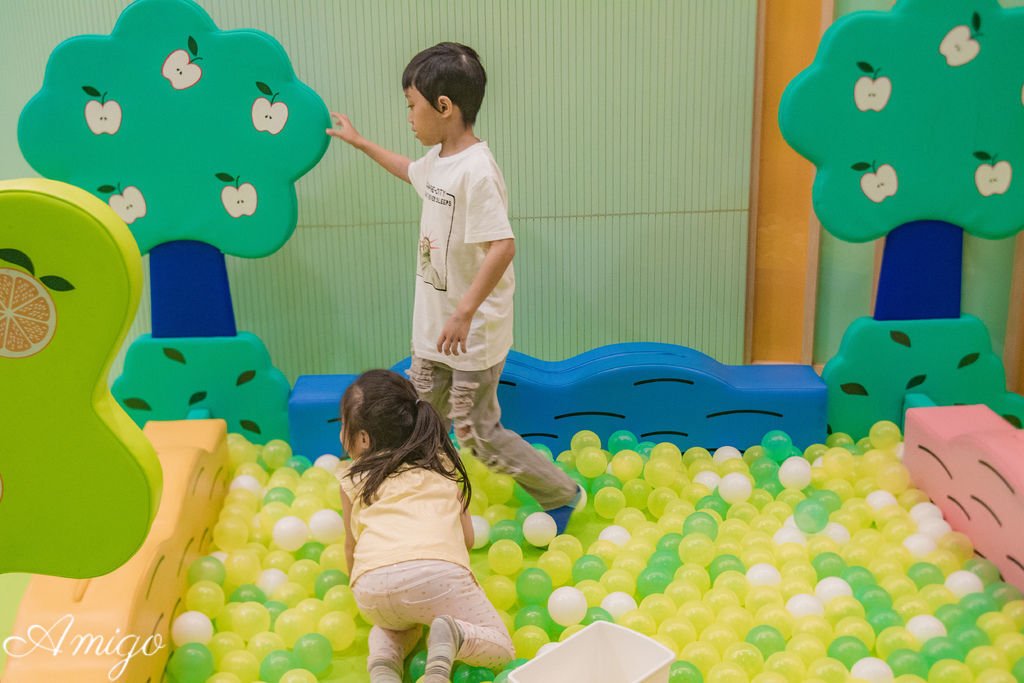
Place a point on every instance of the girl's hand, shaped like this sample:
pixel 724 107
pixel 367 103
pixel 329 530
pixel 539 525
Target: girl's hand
pixel 344 130
pixel 454 335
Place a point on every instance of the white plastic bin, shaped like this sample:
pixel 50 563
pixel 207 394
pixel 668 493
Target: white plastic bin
pixel 601 653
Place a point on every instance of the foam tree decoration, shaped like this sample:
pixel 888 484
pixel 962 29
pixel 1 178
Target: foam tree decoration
pixel 880 362
pixel 79 483
pixel 193 135
pixel 915 121
pixel 229 377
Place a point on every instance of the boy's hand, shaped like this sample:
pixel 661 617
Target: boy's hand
pixel 454 335
pixel 344 130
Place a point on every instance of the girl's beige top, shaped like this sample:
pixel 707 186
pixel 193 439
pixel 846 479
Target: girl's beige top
pixel 415 515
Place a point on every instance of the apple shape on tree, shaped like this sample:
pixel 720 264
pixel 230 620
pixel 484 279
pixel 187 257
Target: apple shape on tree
pixel 871 93
pixel 181 69
pixel 238 200
pixel 267 115
pixel 880 184
pixel 993 177
pixel 102 115
pixel 130 205
pixel 959 46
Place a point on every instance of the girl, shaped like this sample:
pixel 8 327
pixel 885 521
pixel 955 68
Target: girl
pixel 405 500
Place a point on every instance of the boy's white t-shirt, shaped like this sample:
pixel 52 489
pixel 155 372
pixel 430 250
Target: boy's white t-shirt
pixel 465 205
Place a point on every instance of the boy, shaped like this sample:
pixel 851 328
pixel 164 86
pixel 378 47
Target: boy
pixel 462 316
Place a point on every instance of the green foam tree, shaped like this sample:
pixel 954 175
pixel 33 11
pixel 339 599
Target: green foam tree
pixel 880 362
pixel 230 377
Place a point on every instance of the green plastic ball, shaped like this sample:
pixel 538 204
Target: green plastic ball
pixel 701 523
pixel 248 593
pixel 534 587
pixel 314 653
pixel 811 516
pixel 191 663
pixel 848 650
pixel 908 662
pixel 277 664
pixel 328 580
pixel 207 568
pixel 310 551
pixel 684 672
pixel 767 639
pixel 588 567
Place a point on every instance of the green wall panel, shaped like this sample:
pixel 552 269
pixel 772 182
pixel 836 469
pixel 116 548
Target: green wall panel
pixel 623 129
pixel 846 270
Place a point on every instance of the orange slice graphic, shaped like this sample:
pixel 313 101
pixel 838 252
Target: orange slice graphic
pixel 28 318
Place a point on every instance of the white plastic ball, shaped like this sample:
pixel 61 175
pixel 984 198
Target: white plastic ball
pixel 328 462
pixel 764 574
pixel 708 478
pixel 788 534
pixel 191 627
pixel 795 473
pixel 820 462
pixel 735 487
pixel 963 583
pixel 805 605
pixel 923 511
pixel 290 533
pixel 790 522
pixel 924 627
pixel 220 555
pixel 899 450
pixel 326 526
pixel 934 528
pixel 832 587
pixel 872 670
pixel 881 499
pixel 269 579
pixel 247 482
pixel 539 528
pixel 837 532
pixel 567 606
pixel 724 453
pixel 481 532
pixel 618 603
pixel 919 545
pixel 616 534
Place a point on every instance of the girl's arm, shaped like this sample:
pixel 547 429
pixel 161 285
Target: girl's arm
pixel 467 529
pixel 350 540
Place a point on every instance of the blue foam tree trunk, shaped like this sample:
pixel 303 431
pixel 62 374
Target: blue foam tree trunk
pixel 921 272
pixel 189 292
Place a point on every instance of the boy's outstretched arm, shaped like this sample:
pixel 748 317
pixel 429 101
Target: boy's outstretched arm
pixel 394 163
pixel 456 329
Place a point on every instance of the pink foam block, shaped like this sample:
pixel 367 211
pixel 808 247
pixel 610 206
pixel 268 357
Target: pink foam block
pixel 970 462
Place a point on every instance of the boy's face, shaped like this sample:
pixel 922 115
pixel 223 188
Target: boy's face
pixel 428 124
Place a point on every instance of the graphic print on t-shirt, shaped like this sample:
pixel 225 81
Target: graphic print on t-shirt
pixel 438 210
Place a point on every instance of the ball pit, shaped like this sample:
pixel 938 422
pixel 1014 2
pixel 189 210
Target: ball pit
pixel 764 566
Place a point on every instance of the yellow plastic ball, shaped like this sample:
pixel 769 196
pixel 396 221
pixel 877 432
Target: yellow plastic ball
pixel 265 642
pixel 702 655
pixel 638 621
pixel 680 631
pixel 619 580
pixel 557 564
pixel 500 590
pixel 528 639
pixel 658 607
pixel 340 598
pixel 893 477
pixel 695 575
pixel 727 672
pixel 570 545
pixel 627 465
pixel 806 647
pixel 505 557
pixel 895 638
pixel 241 663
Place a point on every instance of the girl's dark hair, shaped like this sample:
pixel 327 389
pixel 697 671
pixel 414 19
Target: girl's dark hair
pixel 404 432
pixel 449 69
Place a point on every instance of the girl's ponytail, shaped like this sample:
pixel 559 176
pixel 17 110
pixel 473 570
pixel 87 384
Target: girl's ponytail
pixel 404 431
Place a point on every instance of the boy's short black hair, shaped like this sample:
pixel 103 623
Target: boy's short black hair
pixel 449 69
